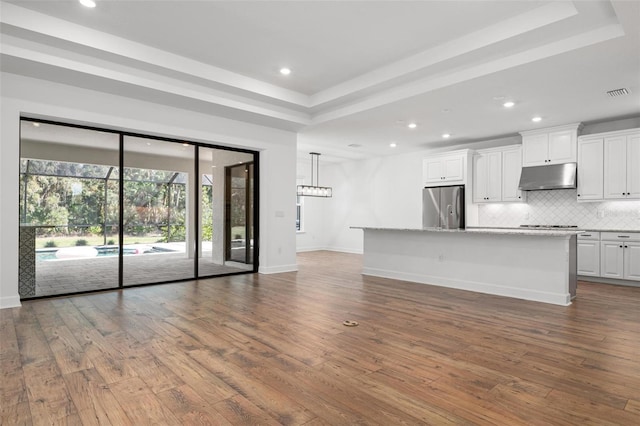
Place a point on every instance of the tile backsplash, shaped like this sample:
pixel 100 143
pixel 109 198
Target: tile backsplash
pixel 559 207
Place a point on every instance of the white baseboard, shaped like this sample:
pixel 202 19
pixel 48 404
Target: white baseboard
pixel 604 280
pixel 306 249
pixel 479 287
pixel 10 302
pixel 344 250
pixel 336 249
pixel 277 269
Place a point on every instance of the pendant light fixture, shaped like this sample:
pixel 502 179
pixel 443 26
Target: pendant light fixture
pixel 315 190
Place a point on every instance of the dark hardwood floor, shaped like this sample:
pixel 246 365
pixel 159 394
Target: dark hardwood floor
pixel 271 349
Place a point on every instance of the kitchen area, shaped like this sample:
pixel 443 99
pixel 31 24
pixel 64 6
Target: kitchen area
pixel 525 220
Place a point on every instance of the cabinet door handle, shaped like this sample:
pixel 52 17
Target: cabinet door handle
pixel 585 235
pixel 623 236
pixel 620 246
pixel 578 195
pixel 626 246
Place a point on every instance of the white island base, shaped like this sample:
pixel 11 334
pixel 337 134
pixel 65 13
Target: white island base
pixel 534 265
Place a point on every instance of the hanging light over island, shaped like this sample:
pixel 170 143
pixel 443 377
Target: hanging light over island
pixel 314 190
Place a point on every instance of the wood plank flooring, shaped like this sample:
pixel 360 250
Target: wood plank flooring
pixel 271 349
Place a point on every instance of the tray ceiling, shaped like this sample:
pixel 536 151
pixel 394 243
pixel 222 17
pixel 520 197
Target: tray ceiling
pixel 361 70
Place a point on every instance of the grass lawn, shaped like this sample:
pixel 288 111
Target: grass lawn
pixel 98 240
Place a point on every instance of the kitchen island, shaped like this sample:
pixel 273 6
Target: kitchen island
pixel 534 265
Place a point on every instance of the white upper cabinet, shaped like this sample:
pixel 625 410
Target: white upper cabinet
pixel 487 177
pixel 590 169
pixel 535 149
pixel 562 146
pixel 633 165
pixel 511 170
pixel 622 166
pixel 496 174
pixel 445 169
pixel 555 145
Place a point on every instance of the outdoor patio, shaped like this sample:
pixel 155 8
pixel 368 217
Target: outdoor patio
pixel 76 275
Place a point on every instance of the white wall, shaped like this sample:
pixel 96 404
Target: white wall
pixel 43 99
pixel 385 192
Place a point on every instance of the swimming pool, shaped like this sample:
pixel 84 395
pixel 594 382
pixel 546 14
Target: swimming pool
pixel 103 251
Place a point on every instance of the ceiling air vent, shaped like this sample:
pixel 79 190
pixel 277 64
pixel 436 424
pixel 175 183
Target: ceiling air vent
pixel 617 92
pixel 354 145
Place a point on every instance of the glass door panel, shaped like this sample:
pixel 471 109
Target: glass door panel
pixel 69 207
pixel 214 242
pixel 239 214
pixel 159 216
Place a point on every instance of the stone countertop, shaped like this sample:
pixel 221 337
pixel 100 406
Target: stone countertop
pixel 579 230
pixel 495 231
pixel 610 230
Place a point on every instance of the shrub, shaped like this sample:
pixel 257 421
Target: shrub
pixel 82 242
pixel 50 244
pixel 237 237
pixel 95 230
pixel 111 243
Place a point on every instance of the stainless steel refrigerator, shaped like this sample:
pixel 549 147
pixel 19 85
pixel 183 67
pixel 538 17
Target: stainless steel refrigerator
pixel 443 207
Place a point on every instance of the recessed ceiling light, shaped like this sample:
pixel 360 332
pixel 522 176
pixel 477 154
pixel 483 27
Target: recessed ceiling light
pixel 393 144
pixel 536 119
pixel 148 143
pixel 36 124
pixel 446 135
pixel 285 71
pixel 412 125
pixel 508 104
pixel 88 3
pixel 185 144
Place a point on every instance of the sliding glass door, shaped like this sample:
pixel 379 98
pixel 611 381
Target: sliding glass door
pixel 158 217
pixel 69 208
pixel 178 210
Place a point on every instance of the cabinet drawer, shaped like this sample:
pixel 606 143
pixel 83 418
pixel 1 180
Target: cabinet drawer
pixel 589 236
pixel 620 236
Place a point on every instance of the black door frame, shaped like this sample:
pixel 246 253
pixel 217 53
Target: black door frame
pixel 122 134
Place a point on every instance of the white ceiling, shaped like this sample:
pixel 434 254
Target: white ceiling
pixel 361 70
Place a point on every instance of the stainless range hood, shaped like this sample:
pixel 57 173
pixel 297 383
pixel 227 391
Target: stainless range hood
pixel 555 176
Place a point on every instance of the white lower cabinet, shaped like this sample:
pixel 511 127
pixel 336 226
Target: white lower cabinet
pixel 589 254
pixel 620 255
pixel 632 261
pixel 612 259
